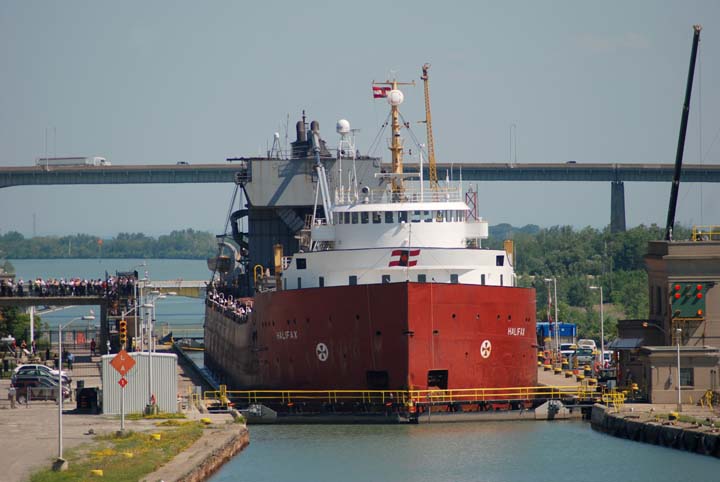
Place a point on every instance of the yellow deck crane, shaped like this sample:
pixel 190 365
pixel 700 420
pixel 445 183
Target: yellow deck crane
pixel 432 167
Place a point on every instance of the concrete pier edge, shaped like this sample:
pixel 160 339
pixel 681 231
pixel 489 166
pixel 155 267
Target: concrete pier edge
pixel 629 425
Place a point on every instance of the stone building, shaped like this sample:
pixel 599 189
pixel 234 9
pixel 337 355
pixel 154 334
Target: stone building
pixel 683 322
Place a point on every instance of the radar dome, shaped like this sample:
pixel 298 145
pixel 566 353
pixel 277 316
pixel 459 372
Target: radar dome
pixel 395 97
pixel 342 127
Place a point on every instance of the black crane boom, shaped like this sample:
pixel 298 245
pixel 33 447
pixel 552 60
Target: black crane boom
pixel 681 139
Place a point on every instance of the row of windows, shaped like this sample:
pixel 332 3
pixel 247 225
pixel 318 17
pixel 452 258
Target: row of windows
pixel 386 278
pixel 301 263
pixel 394 217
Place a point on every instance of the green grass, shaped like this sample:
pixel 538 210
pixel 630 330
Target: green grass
pixel 109 453
pixel 689 419
pixel 157 416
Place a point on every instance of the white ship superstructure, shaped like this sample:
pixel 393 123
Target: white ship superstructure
pixel 399 232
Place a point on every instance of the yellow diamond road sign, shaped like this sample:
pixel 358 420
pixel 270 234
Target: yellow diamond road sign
pixel 122 362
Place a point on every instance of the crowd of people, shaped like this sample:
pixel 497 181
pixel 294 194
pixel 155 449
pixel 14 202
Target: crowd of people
pixel 237 309
pixel 40 287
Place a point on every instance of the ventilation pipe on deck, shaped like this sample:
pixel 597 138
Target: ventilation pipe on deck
pixel 278 251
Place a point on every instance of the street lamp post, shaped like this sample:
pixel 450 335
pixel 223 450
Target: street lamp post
pixel 678 331
pixel 150 344
pixel 557 330
pixel 602 327
pixel 61 464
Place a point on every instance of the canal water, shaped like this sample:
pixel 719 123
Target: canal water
pixel 561 451
pixel 523 451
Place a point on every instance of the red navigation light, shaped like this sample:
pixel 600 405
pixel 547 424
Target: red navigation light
pixel 677 296
pixel 677 287
pixel 699 296
pixel 699 287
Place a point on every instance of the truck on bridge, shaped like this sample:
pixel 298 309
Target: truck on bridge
pixel 72 161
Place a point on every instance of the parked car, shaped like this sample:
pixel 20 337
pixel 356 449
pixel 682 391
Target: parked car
pixel 38 388
pixel 36 369
pixel 567 350
pixel 585 355
pixel 587 343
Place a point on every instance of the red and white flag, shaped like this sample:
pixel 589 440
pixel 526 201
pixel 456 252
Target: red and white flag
pixel 380 91
pixel 403 257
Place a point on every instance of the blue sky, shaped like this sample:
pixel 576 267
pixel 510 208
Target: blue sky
pixel 161 82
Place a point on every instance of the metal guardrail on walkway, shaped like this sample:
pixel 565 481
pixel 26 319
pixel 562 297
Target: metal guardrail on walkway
pixel 580 393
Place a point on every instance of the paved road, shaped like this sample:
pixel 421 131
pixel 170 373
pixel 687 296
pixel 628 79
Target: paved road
pixel 29 435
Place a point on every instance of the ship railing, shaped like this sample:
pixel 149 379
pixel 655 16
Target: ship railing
pixel 494 394
pixel 347 196
pixel 228 312
pixel 705 233
pixel 580 393
pixel 286 397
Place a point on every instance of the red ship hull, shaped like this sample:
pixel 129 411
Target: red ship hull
pixel 385 336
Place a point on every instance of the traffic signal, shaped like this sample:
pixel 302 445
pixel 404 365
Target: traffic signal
pixel 122 330
pixel 687 299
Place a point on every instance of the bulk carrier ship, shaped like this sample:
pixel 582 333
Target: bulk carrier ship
pixel 389 287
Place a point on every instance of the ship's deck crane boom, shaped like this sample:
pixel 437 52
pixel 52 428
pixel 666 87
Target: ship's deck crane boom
pixel 432 166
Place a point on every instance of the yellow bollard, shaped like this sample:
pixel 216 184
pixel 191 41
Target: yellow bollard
pixel 97 472
pixel 206 421
pixel 156 436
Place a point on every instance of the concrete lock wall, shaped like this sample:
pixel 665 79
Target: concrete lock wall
pixel 136 392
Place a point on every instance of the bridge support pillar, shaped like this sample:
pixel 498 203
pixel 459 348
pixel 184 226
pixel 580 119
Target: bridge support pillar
pixel 617 207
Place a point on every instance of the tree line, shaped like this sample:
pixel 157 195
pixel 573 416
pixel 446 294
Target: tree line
pixel 183 244
pixel 579 259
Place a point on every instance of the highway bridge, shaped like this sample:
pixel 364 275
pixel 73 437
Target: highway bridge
pixel 278 183
pixel 225 173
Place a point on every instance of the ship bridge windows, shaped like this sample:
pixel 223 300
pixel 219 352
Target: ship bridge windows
pixel 500 260
pixel 364 217
pixel 454 279
pixel 385 278
pixel 427 216
pixel 422 278
pixel 402 216
pixel 352 280
pixel 389 217
pixel 346 218
pixel 416 216
pixel 354 218
pixel 376 217
pixel 301 263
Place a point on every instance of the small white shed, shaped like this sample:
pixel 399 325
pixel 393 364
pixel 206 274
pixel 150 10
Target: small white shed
pixel 163 383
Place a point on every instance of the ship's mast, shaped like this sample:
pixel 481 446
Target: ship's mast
pixel 395 97
pixel 432 169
